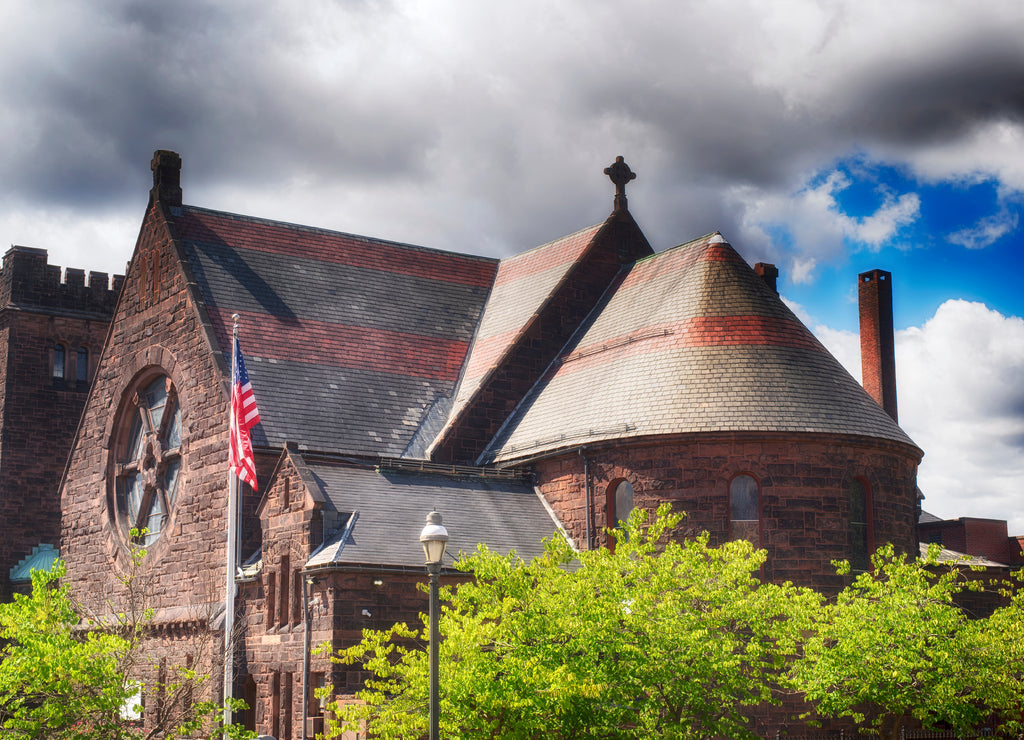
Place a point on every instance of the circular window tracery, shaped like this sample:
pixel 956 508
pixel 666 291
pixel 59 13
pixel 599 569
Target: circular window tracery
pixel 149 460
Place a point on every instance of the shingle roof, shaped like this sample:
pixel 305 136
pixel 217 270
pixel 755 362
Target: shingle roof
pixel 348 340
pixel 691 340
pixel 390 508
pixel 947 556
pixel 522 285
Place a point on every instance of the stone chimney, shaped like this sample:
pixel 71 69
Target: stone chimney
pixel 769 273
pixel 166 168
pixel 877 347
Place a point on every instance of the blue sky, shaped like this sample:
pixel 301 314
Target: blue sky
pixel 825 137
pixel 963 241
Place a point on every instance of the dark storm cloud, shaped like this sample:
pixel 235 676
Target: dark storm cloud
pixel 188 76
pixel 942 97
pixel 483 127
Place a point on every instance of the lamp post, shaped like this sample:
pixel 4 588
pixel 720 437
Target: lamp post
pixel 434 539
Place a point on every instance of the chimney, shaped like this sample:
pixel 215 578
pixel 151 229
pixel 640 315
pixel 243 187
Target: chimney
pixel 877 349
pixel 769 273
pixel 166 168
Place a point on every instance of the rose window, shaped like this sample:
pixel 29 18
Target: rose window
pixel 149 460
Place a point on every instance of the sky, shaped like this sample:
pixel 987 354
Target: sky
pixel 828 137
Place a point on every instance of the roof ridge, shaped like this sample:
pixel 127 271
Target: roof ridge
pixel 334 232
pixel 684 245
pixel 563 238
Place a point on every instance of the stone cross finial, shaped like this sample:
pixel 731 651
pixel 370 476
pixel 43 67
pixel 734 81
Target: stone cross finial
pixel 620 174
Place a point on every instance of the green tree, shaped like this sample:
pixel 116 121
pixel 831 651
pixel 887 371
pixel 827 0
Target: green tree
pixel 53 682
pixel 657 638
pixel 69 678
pixel 997 654
pixel 894 646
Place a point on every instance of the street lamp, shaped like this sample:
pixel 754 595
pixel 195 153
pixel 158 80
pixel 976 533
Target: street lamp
pixel 434 539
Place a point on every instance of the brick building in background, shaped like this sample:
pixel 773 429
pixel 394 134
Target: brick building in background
pixel 551 391
pixel 51 333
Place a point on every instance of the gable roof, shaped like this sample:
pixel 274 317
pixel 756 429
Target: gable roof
pixel 348 340
pixel 383 510
pixel 522 285
pixel 539 300
pixel 691 340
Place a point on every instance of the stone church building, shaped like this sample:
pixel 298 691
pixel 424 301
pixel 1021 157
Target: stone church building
pixel 552 391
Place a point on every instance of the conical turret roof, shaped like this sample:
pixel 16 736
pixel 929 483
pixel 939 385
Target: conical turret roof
pixel 691 340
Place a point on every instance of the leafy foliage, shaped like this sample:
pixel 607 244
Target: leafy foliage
pixel 54 683
pixel 997 645
pixel 66 678
pixel 654 639
pixel 894 645
pixel 680 640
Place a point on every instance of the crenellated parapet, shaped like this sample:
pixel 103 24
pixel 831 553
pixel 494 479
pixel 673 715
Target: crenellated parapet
pixel 29 282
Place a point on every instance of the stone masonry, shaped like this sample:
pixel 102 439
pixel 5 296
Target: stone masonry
pixel 51 335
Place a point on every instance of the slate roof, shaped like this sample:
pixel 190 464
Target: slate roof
pixel 947 556
pixel 348 340
pixel 523 284
pixel 390 508
pixel 691 340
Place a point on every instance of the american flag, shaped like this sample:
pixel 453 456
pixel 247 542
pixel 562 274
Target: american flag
pixel 244 416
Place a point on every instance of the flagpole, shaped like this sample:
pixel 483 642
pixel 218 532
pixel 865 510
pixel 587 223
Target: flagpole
pixel 232 552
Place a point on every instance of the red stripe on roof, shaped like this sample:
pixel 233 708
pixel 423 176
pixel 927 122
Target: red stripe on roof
pixel 718 331
pixel 339 345
pixel 675 261
pixel 559 252
pixel 243 232
pixel 721 252
pixel 487 351
pixel 701 331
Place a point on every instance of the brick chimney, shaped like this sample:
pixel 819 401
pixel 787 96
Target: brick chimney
pixel 877 348
pixel 769 273
pixel 166 168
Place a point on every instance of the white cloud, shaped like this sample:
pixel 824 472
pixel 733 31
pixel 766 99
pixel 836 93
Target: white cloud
pixel 814 224
pixel 878 228
pixel 960 379
pixel 97 242
pixel 844 346
pixel 990 149
pixel 987 231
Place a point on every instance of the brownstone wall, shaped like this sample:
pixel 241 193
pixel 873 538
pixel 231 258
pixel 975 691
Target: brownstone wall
pixel 38 412
pixel 803 492
pixel 342 603
pixel 157 329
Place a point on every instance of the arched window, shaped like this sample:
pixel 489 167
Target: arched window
pixel 620 504
pixel 58 361
pixel 861 525
pixel 149 459
pixel 744 510
pixel 82 365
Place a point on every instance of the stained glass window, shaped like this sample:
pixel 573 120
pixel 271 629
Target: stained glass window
pixel 58 361
pixel 149 465
pixel 82 365
pixel 744 510
pixel 619 504
pixel 623 503
pixel 860 526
